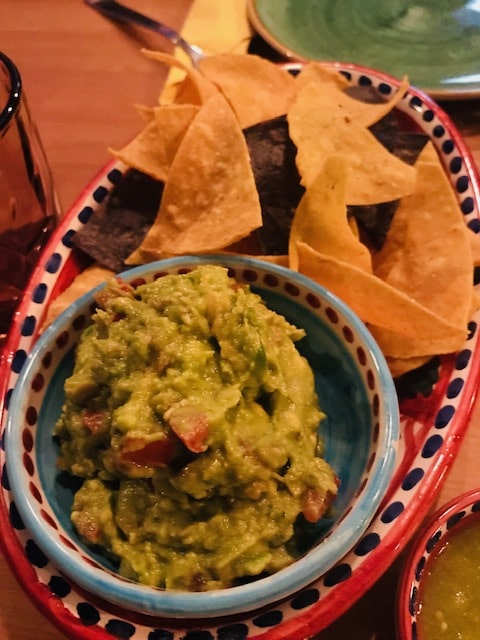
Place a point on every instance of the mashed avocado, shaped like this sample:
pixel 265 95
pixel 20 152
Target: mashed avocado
pixel 192 419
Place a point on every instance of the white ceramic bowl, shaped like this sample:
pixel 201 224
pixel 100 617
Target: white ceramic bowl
pixel 361 435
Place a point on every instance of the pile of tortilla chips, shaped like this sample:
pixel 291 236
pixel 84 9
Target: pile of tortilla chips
pixel 415 293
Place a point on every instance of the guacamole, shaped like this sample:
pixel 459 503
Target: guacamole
pixel 192 419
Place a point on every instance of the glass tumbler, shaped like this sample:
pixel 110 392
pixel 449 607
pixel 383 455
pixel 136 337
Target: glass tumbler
pixel 29 207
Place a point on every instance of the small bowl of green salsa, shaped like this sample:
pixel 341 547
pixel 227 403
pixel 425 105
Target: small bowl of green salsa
pixel 202 436
pixel 439 595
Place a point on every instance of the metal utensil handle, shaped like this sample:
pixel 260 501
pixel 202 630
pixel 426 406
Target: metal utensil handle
pixel 117 11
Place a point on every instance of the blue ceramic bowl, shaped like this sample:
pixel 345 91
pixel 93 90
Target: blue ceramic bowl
pixel 361 433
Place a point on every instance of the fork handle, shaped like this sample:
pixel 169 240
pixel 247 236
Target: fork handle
pixel 117 11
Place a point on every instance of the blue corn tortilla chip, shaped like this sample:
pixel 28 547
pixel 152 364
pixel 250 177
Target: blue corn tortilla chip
pixel 272 155
pixel 119 225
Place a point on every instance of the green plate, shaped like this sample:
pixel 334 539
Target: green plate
pixel 436 43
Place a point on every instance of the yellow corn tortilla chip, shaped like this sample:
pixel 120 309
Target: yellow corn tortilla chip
pixel 373 174
pixel 321 219
pixel 194 89
pixel 145 112
pixel 428 154
pixel 402 347
pixel 331 94
pixel 173 122
pixel 153 150
pixel 314 71
pixel 428 256
pixel 84 282
pixel 210 199
pixel 378 303
pixel 256 88
pixel 144 153
pixel 427 253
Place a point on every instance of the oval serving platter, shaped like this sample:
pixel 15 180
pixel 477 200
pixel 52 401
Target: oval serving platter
pixel 433 424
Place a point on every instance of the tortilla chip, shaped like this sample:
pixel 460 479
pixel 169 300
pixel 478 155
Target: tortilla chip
pixel 429 154
pixel 144 153
pixel 378 303
pixel 194 89
pixel 153 150
pixel 81 284
pixel 373 174
pixel 145 112
pixel 321 220
pixel 436 269
pixel 270 88
pixel 272 156
pixel 120 223
pixel 210 200
pixel 331 94
pixel 172 123
pixel 314 71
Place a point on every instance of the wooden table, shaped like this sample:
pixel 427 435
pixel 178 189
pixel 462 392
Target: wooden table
pixel 83 75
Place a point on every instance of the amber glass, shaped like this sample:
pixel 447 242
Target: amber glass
pixel 28 206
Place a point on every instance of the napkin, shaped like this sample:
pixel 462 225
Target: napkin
pixel 216 27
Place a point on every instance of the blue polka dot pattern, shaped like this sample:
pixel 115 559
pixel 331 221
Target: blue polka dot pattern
pixel 339 573
pixel 269 619
pixel 67 239
pixel 85 215
pixel 463 359
pixel 385 89
pixel 419 463
pixel 15 519
pixel 53 263
pixel 59 586
pixel 467 205
pixel 392 512
pixel 18 361
pixel 35 555
pixel 455 387
pixel 455 519
pixel 431 446
pixel 39 293
pixel 412 478
pixel 444 416
pixel 88 614
pixel 448 146
pixel 433 541
pixel 28 326
pixel 99 194
pixel 455 164
pixel 365 81
pixel 367 544
pixel 120 628
pixel 305 598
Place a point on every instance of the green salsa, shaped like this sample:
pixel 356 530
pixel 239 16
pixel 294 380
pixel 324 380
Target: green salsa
pixel 449 600
pixel 193 421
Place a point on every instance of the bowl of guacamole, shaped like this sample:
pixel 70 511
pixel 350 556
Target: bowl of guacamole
pixel 213 434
